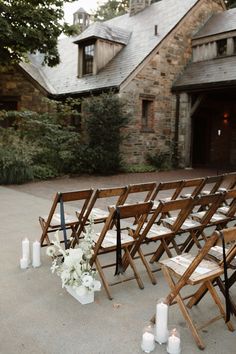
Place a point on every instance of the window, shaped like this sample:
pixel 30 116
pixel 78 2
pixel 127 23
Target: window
pixel 8 104
pixel 221 47
pixel 147 114
pixel 88 56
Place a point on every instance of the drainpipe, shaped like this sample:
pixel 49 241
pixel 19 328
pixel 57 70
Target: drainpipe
pixel 175 157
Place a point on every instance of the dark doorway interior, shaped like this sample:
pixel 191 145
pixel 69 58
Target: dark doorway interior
pixel 214 131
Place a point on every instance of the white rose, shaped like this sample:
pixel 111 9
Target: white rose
pixel 87 281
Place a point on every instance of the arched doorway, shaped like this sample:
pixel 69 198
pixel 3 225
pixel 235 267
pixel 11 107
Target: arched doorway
pixel 214 131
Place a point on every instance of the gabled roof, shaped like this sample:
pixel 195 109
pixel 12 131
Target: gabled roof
pixel 207 74
pixel 166 14
pixel 104 31
pixel 219 23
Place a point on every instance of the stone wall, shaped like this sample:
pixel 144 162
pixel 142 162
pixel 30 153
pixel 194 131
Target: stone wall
pixel 16 86
pixel 155 79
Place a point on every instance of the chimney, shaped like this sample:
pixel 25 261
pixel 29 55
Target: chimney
pixel 136 6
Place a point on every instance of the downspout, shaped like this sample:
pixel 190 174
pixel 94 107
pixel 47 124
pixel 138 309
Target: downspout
pixel 175 157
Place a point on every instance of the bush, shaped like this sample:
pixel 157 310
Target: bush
pixel 162 161
pixel 37 146
pixel 104 116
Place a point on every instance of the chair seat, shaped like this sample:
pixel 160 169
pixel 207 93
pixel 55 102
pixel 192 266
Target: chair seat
pixel 199 215
pixel 223 210
pixel 110 239
pixel 56 219
pixel 156 230
pixel 206 268
pixel 217 253
pixel 187 224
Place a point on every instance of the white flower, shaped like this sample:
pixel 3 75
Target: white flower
pixel 87 281
pixel 51 251
pixel 74 257
pixel 96 285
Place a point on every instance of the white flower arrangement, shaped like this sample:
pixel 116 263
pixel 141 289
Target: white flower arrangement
pixel 74 266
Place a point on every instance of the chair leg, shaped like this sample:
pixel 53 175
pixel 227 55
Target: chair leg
pixel 102 276
pixel 146 265
pixel 222 289
pixel 138 279
pixel 184 311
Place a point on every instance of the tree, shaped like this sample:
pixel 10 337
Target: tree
pixel 30 26
pixel 113 8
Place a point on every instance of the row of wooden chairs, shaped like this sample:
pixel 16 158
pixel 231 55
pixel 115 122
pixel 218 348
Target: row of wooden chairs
pixel 89 202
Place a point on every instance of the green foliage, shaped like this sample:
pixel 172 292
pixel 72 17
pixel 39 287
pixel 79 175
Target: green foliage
pixel 28 26
pixel 104 116
pixel 37 146
pixel 162 161
pixel 113 8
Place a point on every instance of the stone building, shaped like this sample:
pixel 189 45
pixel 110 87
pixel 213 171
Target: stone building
pixel 159 58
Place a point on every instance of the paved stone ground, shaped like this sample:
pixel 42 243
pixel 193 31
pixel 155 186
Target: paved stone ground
pixel 39 317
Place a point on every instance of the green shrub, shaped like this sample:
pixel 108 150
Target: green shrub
pixel 104 116
pixel 162 161
pixel 15 167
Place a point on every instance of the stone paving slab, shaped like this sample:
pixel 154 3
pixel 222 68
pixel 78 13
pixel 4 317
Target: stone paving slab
pixel 37 316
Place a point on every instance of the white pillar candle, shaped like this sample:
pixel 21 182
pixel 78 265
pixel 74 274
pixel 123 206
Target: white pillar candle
pixel 161 329
pixel 36 254
pixel 24 263
pixel 148 342
pixel 26 250
pixel 173 344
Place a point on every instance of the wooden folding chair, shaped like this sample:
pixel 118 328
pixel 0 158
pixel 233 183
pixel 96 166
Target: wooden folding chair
pixel 59 219
pixel 102 198
pixel 190 230
pixel 216 253
pixel 185 270
pixel 154 231
pixel 108 241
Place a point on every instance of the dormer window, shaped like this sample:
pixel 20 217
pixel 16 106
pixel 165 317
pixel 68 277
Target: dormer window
pixel 88 58
pixel 98 45
pixel 221 47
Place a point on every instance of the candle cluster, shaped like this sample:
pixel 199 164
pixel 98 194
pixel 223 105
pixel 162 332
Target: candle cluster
pixel 161 333
pixel 25 260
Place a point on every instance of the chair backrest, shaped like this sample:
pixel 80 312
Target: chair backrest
pixel 212 184
pixel 170 190
pixel 140 192
pixel 83 196
pixel 104 197
pixel 229 181
pixel 192 187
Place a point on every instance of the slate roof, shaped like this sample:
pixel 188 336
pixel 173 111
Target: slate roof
pixel 104 31
pixel 206 74
pixel 219 23
pixel 63 79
